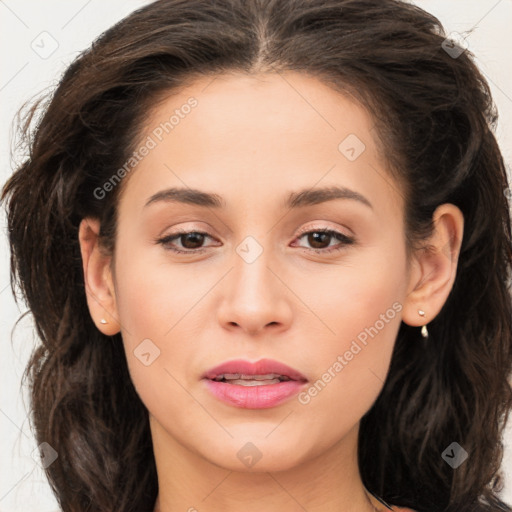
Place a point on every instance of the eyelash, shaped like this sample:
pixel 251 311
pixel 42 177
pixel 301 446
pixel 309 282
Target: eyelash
pixel 344 239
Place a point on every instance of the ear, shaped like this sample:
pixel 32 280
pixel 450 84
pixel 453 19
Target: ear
pixel 99 285
pixel 434 267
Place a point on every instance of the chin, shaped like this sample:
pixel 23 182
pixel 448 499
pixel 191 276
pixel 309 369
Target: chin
pixel 255 455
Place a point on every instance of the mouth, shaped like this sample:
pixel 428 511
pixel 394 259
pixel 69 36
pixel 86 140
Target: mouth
pixel 251 380
pixel 261 385
pixel 261 373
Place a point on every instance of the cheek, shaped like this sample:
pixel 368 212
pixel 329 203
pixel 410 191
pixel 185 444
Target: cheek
pixel 360 307
pixel 153 296
pixel 164 311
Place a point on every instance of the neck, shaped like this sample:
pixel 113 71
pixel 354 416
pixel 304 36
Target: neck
pixel 328 482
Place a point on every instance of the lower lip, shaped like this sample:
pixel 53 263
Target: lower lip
pixel 254 397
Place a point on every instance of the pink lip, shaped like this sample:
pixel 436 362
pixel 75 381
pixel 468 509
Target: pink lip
pixel 254 397
pixel 261 367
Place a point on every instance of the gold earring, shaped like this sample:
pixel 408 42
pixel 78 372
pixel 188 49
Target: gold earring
pixel 424 330
pixel 103 321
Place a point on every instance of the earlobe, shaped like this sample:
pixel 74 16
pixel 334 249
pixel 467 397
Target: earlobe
pixel 434 267
pixel 99 287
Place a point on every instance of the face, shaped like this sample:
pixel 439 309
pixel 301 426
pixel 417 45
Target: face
pixel 257 278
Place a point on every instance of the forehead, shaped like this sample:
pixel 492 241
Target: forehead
pixel 248 136
pixel 250 108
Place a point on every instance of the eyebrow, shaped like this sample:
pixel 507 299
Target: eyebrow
pixel 298 199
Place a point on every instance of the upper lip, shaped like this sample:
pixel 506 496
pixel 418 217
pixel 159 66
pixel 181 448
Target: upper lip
pixel 261 367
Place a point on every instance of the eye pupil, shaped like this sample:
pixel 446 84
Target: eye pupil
pixel 192 236
pixel 313 239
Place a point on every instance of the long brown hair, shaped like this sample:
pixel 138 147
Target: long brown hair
pixel 434 119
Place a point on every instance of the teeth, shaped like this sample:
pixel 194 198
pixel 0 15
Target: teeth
pixel 245 382
pixel 229 376
pixel 252 380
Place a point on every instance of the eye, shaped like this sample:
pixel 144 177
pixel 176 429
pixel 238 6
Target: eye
pixel 318 238
pixel 190 240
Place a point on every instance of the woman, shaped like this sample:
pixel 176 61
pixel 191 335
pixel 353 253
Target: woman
pixel 266 246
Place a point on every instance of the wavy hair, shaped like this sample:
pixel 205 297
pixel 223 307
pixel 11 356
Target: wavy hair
pixel 435 122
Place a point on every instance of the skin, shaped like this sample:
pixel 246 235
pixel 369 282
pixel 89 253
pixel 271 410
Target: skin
pixel 253 140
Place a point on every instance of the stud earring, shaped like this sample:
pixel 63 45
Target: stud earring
pixel 424 330
pixel 103 321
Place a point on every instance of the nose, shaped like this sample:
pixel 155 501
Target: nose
pixel 255 297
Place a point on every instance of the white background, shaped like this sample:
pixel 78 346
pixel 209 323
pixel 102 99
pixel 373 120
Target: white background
pixel 28 27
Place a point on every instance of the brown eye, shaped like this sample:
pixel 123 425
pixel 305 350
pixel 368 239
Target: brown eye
pixel 191 242
pixel 319 240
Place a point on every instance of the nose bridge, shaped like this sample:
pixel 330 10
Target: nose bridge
pixel 251 275
pixel 254 297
